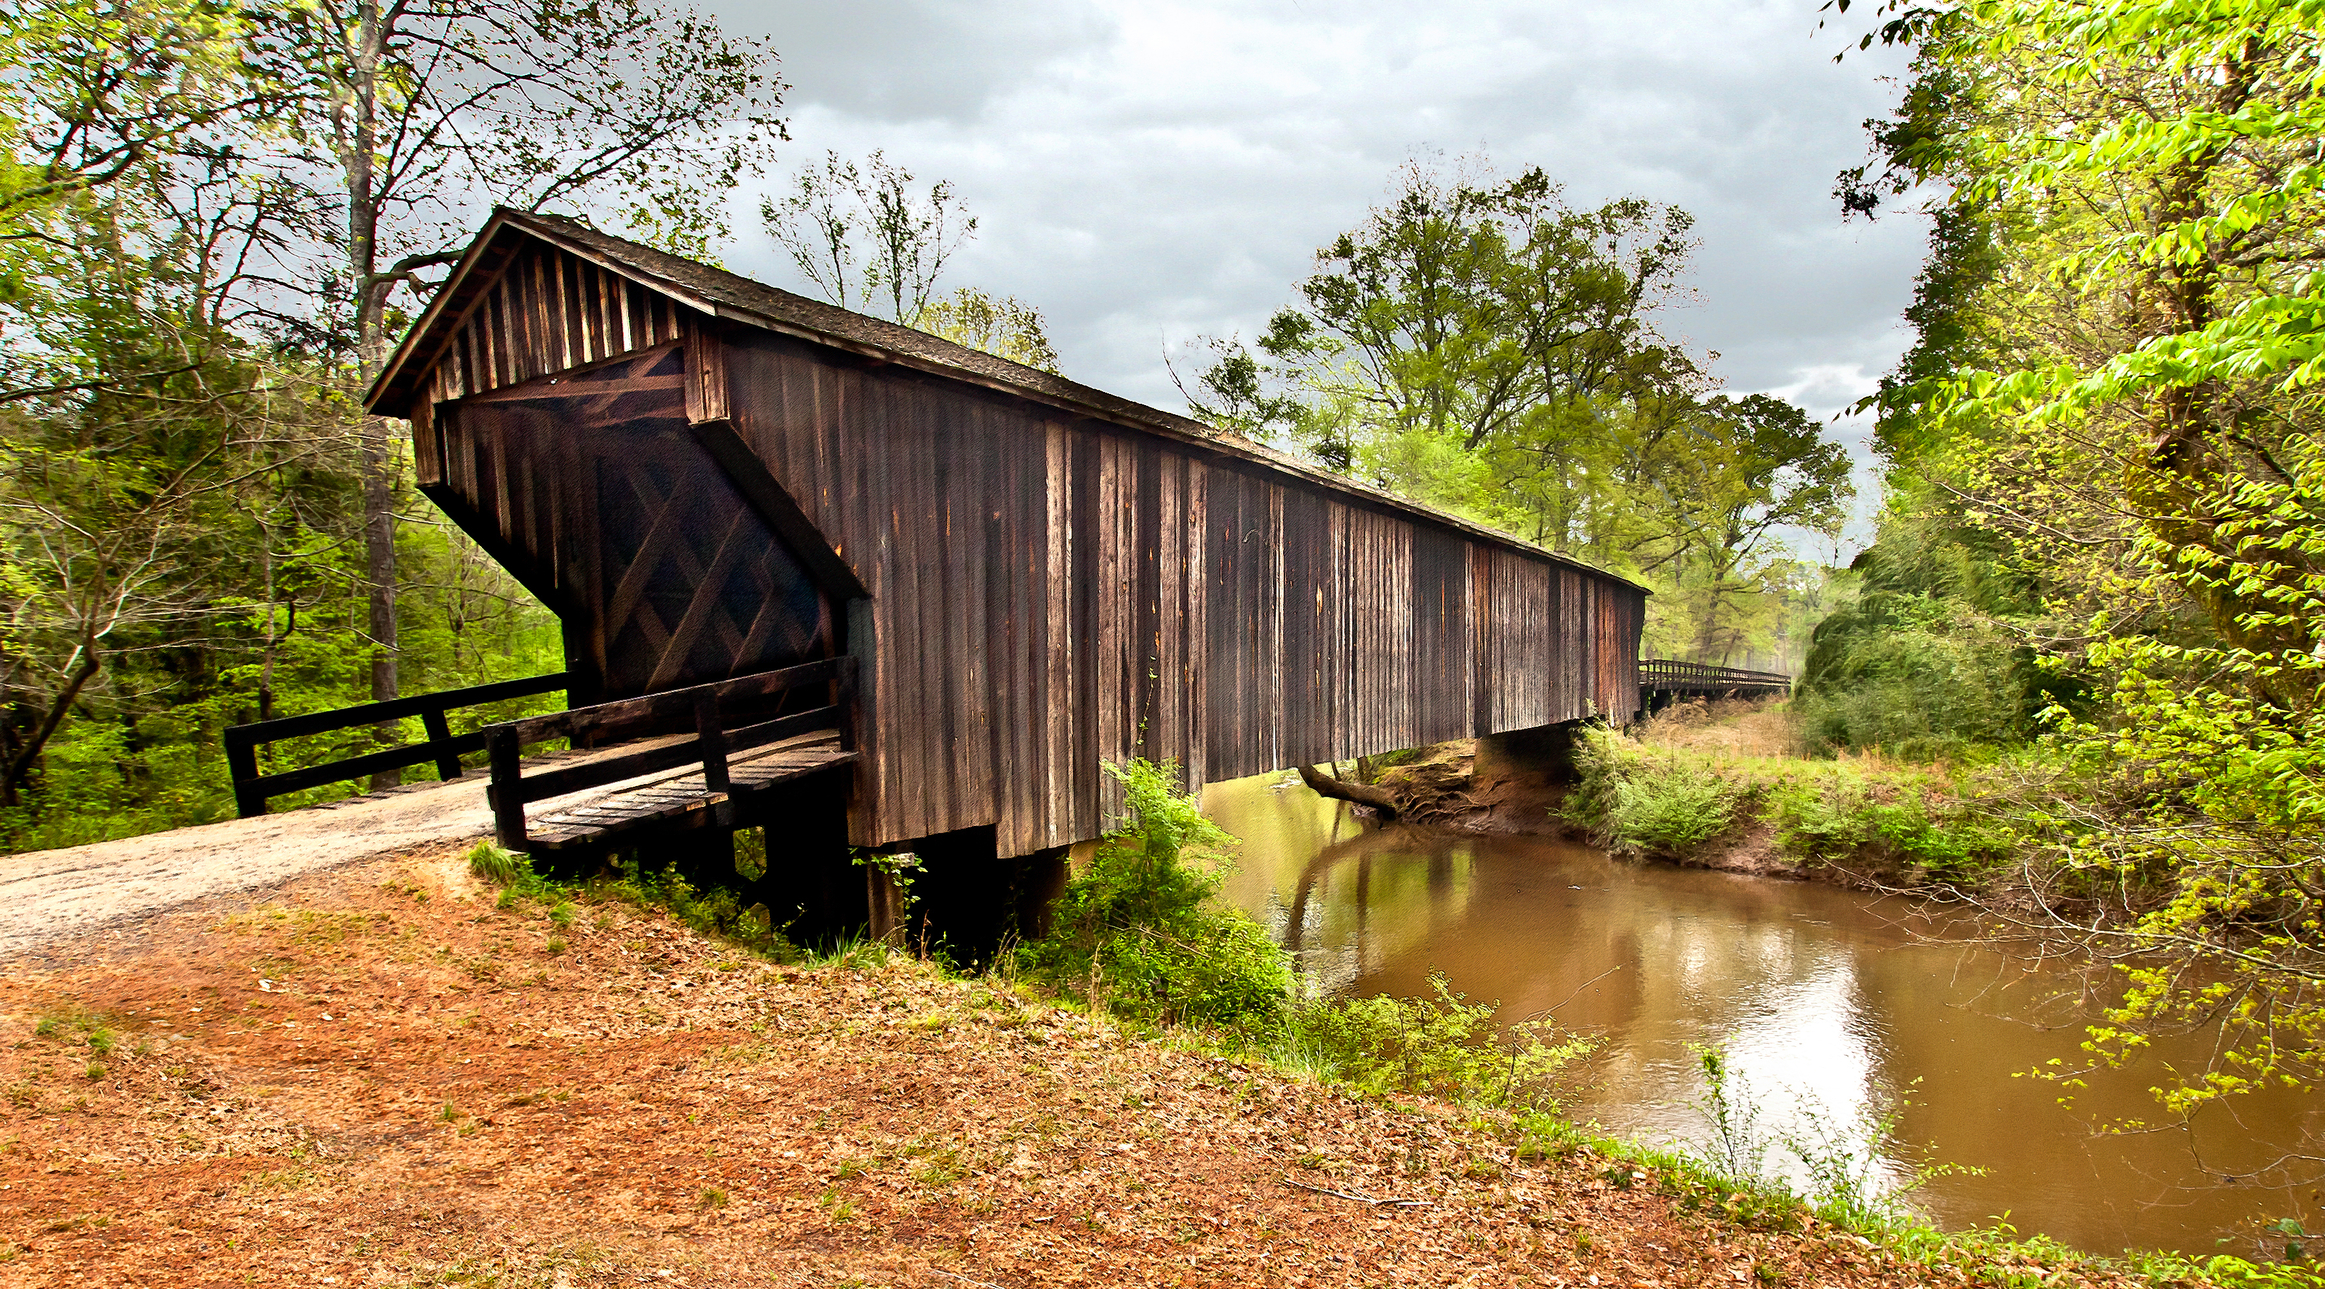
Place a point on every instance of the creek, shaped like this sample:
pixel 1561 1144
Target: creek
pixel 1833 1005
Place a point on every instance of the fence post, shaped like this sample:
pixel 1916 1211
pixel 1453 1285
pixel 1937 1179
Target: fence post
pixel 713 737
pixel 506 793
pixel 242 763
pixel 440 740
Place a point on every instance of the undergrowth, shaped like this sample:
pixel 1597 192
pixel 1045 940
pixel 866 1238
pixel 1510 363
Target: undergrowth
pixel 715 911
pixel 1141 934
pixel 1911 824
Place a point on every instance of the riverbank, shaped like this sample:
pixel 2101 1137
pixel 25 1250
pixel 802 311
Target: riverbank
pixel 1719 786
pixel 385 1075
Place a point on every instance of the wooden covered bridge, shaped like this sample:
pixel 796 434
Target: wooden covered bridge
pixel 852 577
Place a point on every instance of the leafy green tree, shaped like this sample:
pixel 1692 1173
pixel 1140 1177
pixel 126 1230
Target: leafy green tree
pixel 407 115
pixel 1006 327
pixel 2114 406
pixel 1752 467
pixel 1478 344
pixel 190 515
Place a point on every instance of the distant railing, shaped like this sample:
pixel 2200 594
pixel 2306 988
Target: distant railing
pixel 251 789
pixel 1696 677
pixel 712 744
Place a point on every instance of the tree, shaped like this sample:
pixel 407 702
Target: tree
pixel 209 217
pixel 2123 331
pixel 96 95
pixel 128 222
pixel 410 114
pixel 865 238
pixel 1478 344
pixel 1748 469
pixel 1006 328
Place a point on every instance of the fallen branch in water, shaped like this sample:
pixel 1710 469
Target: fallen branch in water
pixel 1363 794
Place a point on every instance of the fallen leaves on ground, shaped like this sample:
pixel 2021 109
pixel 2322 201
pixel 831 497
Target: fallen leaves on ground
pixel 382 1076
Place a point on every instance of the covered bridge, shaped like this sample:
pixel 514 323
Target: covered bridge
pixel 705 477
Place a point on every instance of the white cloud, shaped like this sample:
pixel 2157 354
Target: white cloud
pixel 1153 170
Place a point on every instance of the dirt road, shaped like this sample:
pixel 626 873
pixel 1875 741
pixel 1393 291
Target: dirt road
pixel 47 894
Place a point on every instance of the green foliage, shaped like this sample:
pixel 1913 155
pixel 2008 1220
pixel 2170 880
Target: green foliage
pixel 1738 1148
pixel 1005 327
pixel 2113 415
pixel 1478 344
pixel 1927 659
pixel 1903 822
pixel 1638 801
pixel 716 910
pixel 1140 931
pixel 182 323
pixel 1910 824
pixel 1842 1158
pixel 1441 1046
pixel 490 863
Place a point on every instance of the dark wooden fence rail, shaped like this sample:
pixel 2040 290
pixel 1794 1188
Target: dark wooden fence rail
pixel 711 746
pixel 1696 677
pixel 251 789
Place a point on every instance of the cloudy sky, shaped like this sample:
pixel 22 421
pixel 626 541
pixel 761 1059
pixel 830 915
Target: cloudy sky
pixel 1143 172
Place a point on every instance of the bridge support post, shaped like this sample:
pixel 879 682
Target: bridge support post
pixel 1542 754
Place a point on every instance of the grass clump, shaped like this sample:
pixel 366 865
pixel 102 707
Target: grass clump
pixel 1913 824
pixel 1442 1046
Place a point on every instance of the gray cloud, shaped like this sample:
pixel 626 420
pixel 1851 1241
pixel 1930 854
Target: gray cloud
pixel 1145 172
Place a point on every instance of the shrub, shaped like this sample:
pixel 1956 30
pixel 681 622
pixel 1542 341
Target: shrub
pixel 1638 802
pixel 1442 1046
pixel 1141 933
pixel 1837 816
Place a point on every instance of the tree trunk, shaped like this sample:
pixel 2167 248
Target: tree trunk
pixel 20 766
pixel 359 143
pixel 1381 800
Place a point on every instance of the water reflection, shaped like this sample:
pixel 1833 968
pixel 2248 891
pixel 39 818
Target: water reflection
pixel 1829 1002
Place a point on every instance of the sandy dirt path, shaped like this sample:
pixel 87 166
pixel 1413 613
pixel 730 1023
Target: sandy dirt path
pixel 46 895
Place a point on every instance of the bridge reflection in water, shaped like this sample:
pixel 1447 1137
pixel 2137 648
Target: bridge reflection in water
pixel 1829 1003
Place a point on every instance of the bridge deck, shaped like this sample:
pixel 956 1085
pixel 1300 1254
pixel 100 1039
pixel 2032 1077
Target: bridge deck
pixel 681 798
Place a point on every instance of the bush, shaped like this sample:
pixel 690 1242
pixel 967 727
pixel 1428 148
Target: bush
pixel 1139 931
pixel 1442 1046
pixel 1836 816
pixel 1638 802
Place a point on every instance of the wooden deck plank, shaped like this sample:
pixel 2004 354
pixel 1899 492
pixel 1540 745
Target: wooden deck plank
pixel 673 797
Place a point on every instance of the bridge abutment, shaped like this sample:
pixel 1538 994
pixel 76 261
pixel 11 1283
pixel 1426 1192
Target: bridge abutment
pixel 1541 754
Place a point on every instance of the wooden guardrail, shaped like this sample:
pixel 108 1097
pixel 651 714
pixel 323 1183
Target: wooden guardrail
pixel 1669 674
pixel 512 790
pixel 252 789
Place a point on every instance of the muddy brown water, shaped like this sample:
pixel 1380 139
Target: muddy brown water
pixel 1832 1004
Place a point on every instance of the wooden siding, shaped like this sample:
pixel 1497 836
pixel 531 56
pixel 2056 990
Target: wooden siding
pixel 1047 595
pixel 591 489
pixel 549 312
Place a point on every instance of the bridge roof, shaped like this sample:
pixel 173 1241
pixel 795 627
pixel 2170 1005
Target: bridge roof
pixel 720 294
